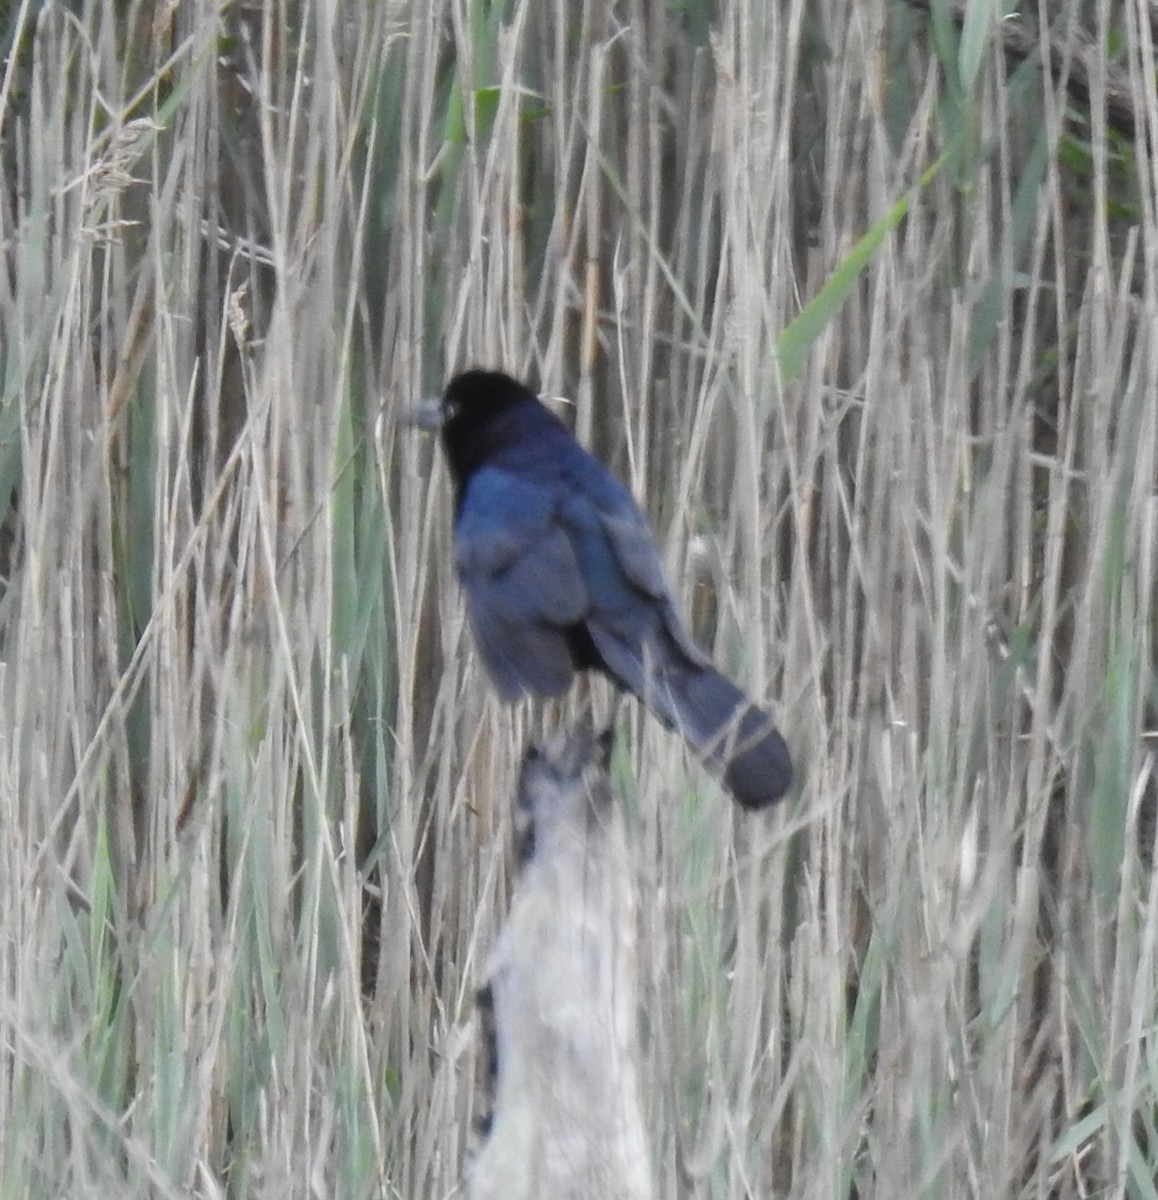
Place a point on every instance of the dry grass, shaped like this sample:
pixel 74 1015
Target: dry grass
pixel 253 788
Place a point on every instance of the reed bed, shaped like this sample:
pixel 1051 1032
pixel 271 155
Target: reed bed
pixel 861 297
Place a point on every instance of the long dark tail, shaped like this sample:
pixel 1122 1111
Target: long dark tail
pixel 728 731
pixel 721 724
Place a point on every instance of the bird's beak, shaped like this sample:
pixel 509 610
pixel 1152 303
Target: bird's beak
pixel 426 414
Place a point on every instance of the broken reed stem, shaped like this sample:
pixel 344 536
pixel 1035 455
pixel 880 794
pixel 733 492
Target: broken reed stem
pixel 560 1006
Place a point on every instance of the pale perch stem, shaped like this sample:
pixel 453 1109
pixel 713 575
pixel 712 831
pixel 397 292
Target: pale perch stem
pixel 559 1008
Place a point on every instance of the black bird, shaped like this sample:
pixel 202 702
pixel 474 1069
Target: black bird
pixel 561 575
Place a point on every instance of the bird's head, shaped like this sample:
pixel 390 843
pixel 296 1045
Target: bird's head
pixel 476 413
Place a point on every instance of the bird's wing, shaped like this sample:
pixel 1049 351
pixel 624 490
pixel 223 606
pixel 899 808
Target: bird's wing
pixel 522 582
pixel 634 548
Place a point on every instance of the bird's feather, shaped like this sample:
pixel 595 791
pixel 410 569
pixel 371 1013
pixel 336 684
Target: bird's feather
pixel 521 655
pixel 522 581
pixel 561 572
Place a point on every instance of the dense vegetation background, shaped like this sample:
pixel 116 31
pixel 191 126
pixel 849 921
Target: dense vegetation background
pixel 861 296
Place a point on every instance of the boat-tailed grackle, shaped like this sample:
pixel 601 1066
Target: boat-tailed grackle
pixel 561 574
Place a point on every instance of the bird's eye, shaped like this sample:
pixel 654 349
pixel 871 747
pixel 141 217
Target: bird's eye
pixel 450 410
